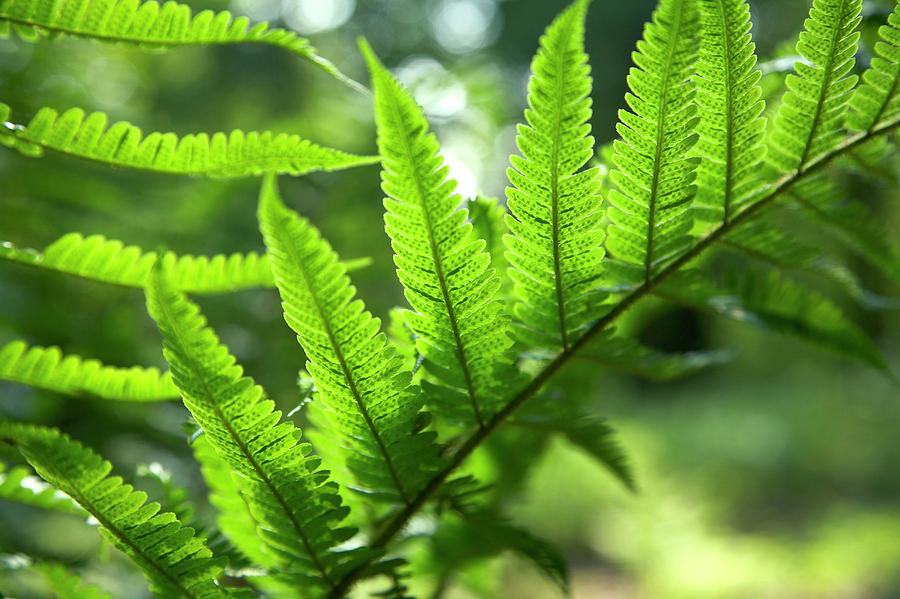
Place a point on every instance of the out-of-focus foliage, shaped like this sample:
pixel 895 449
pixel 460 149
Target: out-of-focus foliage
pixel 771 475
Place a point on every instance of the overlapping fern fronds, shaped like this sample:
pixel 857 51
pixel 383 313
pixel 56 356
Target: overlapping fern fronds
pixel 877 99
pixel 655 171
pixel 773 302
pixel 811 116
pixel 48 368
pixel 444 269
pixel 729 97
pixel 364 394
pixel 176 563
pixel 19 484
pixel 555 246
pixel 220 155
pixel 296 509
pixel 149 24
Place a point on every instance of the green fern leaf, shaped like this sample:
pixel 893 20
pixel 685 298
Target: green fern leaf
pixel 66 584
pixel 297 510
pixel 555 246
pixel 110 261
pixel 233 516
pixel 655 171
pixel 771 244
pixel 729 97
pixel 444 269
pixel 877 100
pixel 774 303
pixel 47 368
pixel 624 354
pixel 810 119
pixel 150 25
pixel 849 222
pixel 220 155
pixel 488 219
pixel 589 433
pixel 21 486
pixel 364 394
pixel 175 562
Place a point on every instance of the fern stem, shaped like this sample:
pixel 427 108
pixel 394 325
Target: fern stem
pixel 782 185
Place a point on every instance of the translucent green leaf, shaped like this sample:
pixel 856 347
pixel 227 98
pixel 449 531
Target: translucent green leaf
pixel 48 368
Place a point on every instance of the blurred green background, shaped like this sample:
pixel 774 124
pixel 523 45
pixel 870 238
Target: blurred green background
pixel 775 476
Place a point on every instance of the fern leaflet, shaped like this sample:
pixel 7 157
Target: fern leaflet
pixel 19 485
pixel 877 99
pixel 110 261
pixel 554 248
pixel 149 24
pixel 444 270
pixel 774 302
pixel 654 174
pixel 66 584
pixel 296 508
pixel 175 562
pixel 809 120
pixel 221 155
pixel 729 97
pixel 364 395
pixel 48 368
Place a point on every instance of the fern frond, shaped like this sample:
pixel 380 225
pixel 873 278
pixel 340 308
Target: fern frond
pixel 296 507
pixel 175 562
pixel 655 173
pixel 729 97
pixel 47 368
pixel 233 516
pixel 770 244
pixel 66 584
pixel 18 484
pixel 110 261
pixel 444 269
pixel 591 434
pixel 811 116
pixel 220 155
pixel 488 218
pixel 624 354
pixel 364 394
pixel 877 99
pixel 150 25
pixel 555 246
pixel 774 303
pixel 851 223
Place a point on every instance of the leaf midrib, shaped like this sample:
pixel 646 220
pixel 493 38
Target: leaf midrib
pixel 660 139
